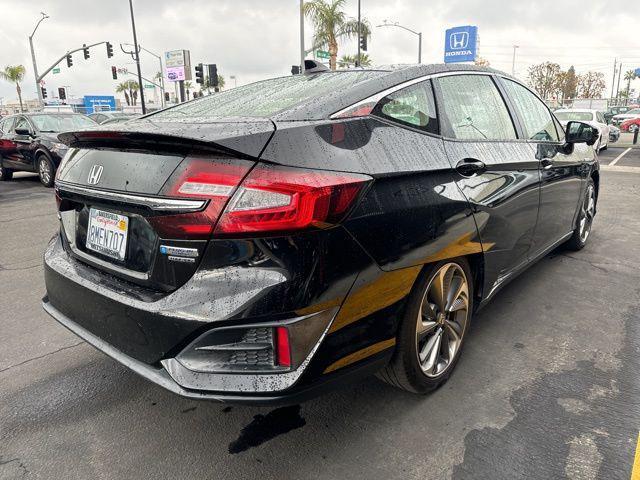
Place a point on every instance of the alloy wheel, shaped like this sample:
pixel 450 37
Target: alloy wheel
pixel 442 320
pixel 44 169
pixel 587 212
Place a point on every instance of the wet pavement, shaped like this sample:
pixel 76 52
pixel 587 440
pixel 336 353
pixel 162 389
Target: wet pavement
pixel 547 386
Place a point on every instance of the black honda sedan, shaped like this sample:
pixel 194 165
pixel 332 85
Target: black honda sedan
pixel 29 143
pixel 260 244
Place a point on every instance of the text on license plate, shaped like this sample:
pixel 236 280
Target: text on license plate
pixel 107 233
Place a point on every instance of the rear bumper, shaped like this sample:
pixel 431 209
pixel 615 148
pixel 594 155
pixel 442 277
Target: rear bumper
pixel 160 377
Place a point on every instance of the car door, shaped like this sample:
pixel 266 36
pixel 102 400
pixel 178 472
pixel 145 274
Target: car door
pixel 22 157
pixel 603 127
pixel 562 167
pixel 495 170
pixel 9 147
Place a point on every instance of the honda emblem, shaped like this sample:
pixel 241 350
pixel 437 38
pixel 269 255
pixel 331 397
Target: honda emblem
pixel 94 175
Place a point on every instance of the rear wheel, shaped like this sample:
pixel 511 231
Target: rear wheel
pixel 5 173
pixel 432 332
pixel 45 170
pixel 585 219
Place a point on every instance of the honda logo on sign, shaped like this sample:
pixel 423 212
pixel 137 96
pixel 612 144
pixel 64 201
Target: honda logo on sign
pixel 459 40
pixel 94 175
pixel 461 44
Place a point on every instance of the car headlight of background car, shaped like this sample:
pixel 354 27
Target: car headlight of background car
pixel 58 147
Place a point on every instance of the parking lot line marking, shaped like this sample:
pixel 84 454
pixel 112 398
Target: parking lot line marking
pixel 621 169
pixel 635 472
pixel 615 160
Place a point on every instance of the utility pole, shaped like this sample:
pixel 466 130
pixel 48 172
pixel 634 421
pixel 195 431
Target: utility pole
pixel 419 35
pixel 613 80
pixel 359 34
pixel 513 62
pixel 137 58
pixel 33 58
pixel 618 87
pixel 302 55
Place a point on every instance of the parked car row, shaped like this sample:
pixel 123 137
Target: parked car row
pixel 29 143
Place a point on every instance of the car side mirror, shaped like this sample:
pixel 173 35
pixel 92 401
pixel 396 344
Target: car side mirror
pixel 23 131
pixel 580 132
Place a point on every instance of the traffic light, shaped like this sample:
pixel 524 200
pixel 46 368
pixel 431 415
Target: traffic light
pixel 114 73
pixel 44 92
pixel 69 61
pixel 62 93
pixel 199 74
pixel 109 50
pixel 85 51
pixel 166 96
pixel 363 43
pixel 295 69
pixel 213 75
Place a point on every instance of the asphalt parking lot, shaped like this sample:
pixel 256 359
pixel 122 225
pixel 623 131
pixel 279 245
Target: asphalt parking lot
pixel 547 387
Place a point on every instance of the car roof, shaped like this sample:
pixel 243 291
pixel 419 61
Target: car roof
pixel 390 76
pixel 578 110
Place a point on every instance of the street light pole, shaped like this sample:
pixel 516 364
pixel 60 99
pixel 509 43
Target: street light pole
pixel 419 35
pixel 359 34
pixel 302 53
pixel 513 63
pixel 137 58
pixel 33 58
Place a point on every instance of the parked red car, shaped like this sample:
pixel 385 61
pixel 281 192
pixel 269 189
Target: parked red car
pixel 630 125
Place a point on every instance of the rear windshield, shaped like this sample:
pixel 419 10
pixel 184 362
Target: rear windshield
pixel 61 123
pixel 575 116
pixel 264 99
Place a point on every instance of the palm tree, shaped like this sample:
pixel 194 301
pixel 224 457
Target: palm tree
pixel 14 74
pixel 347 60
pixel 628 76
pixel 331 24
pixel 208 84
pixel 187 86
pixel 130 90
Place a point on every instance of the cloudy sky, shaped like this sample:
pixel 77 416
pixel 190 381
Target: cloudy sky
pixel 256 39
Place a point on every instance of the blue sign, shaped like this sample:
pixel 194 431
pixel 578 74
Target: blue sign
pixel 99 103
pixel 461 44
pixel 637 72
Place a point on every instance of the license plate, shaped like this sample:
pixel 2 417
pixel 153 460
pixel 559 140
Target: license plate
pixel 107 233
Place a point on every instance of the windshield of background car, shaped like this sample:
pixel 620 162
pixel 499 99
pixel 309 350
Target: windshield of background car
pixel 61 123
pixel 634 111
pixel 574 116
pixel 264 99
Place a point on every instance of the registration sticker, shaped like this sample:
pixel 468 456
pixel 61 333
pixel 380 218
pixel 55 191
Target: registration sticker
pixel 107 233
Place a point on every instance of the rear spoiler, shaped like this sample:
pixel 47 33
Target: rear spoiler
pixel 240 139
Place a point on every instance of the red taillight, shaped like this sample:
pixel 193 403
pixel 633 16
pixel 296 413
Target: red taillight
pixel 211 180
pixel 278 199
pixel 283 347
pixel 269 199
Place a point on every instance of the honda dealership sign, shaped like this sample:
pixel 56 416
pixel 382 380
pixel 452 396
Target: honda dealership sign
pixel 461 44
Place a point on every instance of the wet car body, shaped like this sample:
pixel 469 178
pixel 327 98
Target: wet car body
pixel 340 289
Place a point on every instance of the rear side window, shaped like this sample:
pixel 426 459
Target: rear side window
pixel 266 98
pixel 474 108
pixel 7 125
pixel 538 122
pixel 413 106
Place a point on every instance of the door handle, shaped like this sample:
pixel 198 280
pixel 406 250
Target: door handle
pixel 469 167
pixel 546 163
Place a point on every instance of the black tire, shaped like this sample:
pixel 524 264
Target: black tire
pixel 5 173
pixel 579 238
pixel 45 169
pixel 404 370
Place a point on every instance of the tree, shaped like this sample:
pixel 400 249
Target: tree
pixel 347 60
pixel 15 74
pixel 628 76
pixel 130 90
pixel 544 78
pixel 187 86
pixel 331 24
pixel 591 85
pixel 569 84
